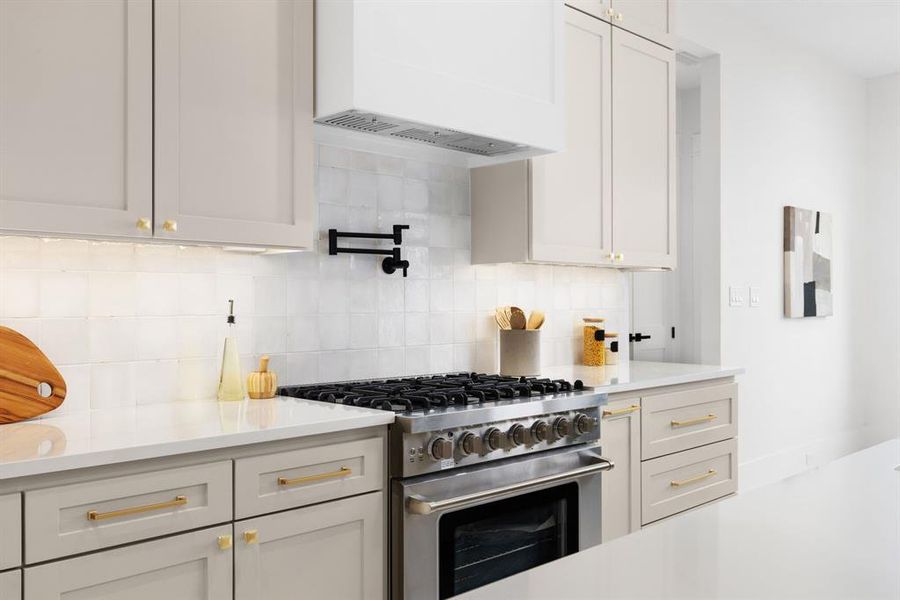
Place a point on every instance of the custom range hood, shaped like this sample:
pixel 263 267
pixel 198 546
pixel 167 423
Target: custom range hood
pixel 482 77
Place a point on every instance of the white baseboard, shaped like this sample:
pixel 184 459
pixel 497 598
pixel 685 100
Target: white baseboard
pixel 797 459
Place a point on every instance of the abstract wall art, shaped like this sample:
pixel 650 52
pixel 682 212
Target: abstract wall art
pixel 807 263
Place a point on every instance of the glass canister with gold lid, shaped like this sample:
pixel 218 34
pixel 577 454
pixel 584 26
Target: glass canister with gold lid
pixel 594 342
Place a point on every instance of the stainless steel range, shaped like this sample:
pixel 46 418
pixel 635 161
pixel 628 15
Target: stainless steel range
pixel 490 475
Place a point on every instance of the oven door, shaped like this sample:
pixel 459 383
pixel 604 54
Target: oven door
pixel 456 531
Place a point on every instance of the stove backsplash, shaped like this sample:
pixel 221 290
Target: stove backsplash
pixel 134 324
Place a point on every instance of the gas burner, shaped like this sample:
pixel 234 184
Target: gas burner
pixel 410 395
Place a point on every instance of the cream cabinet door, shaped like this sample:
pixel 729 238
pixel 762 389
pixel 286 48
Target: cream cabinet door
pixel 192 566
pixel 621 487
pixel 234 108
pixel 10 531
pixel 571 190
pixel 648 18
pixel 11 585
pixel 643 195
pixel 330 550
pixel 76 117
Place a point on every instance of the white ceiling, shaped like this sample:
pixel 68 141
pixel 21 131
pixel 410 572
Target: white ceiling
pixel 861 35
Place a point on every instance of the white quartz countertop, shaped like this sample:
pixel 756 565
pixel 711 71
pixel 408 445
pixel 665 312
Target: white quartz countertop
pixel 115 435
pixel 637 375
pixel 829 533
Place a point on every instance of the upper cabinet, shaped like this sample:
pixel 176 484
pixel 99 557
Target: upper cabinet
pixel 484 78
pixel 556 208
pixel 651 19
pixel 76 111
pixel 643 140
pixel 234 103
pixel 608 199
pixel 222 90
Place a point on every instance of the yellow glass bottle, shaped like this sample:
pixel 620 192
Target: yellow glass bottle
pixel 231 382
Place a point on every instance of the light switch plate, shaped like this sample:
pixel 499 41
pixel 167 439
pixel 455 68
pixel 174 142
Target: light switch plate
pixel 754 296
pixel 736 296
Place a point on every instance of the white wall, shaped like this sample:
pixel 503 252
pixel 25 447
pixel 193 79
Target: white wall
pixel 877 339
pixel 793 134
pixel 136 323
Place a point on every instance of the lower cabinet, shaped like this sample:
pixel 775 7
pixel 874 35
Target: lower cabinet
pixel 330 550
pixel 621 487
pixel 674 448
pixel 11 585
pixel 192 566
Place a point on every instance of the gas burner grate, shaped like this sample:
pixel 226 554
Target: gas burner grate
pixel 431 392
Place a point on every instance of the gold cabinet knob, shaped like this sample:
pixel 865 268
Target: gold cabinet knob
pixel 610 13
pixel 251 536
pixel 170 225
pixel 143 224
pixel 620 257
pixel 224 542
pixel 619 17
pixel 612 256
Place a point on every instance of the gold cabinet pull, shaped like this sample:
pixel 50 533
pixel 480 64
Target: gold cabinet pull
pixel 342 472
pixel 621 411
pixel 93 515
pixel 251 536
pixel 143 224
pixel 693 421
pixel 224 541
pixel 693 479
pixel 170 225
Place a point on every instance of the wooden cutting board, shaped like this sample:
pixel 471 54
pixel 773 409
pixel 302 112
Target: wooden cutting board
pixel 29 383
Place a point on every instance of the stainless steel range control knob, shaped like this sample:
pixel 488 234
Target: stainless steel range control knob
pixel 516 434
pixel 441 448
pixel 493 439
pixel 539 431
pixel 562 427
pixel 584 424
pixel 469 443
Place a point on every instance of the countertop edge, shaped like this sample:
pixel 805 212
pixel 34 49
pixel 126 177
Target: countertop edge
pixel 99 458
pixel 663 381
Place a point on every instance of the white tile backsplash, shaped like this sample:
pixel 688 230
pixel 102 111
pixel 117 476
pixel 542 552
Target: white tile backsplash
pixel 144 323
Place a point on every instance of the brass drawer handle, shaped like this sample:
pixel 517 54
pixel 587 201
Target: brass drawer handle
pixel 621 411
pixel 693 479
pixel 342 472
pixel 93 515
pixel 693 421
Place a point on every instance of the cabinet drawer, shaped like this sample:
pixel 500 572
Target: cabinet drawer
pixel 11 585
pixel 677 482
pixel 190 566
pixel 681 420
pixel 10 531
pixel 70 519
pixel 273 482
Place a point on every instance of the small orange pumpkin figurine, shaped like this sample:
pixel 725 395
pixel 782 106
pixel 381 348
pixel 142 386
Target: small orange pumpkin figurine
pixel 263 383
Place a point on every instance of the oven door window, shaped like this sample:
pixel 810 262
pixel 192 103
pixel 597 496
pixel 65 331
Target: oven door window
pixel 488 542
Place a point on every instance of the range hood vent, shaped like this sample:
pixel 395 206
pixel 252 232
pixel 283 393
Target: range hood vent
pixel 418 132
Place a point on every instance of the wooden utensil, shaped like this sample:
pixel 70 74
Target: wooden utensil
pixel 517 318
pixel 535 319
pixel 262 384
pixel 29 383
pixel 502 315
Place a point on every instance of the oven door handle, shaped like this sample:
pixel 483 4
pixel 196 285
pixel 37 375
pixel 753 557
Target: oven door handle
pixel 420 506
